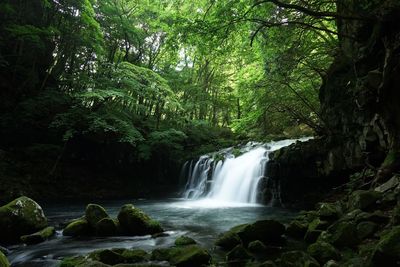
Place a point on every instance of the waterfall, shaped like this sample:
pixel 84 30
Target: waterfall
pixel 223 178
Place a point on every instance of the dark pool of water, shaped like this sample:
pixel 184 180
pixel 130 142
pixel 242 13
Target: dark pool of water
pixel 201 220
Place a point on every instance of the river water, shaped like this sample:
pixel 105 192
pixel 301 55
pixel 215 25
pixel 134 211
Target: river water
pixel 197 219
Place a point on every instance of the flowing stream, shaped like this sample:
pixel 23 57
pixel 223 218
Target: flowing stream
pixel 218 195
pixel 177 216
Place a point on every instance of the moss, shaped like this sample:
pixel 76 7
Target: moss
pixel 78 227
pixel 107 256
pixel 191 255
pixel 323 252
pixel 134 221
pixel 134 255
pixel 95 213
pixel 230 239
pixel 38 237
pixel 184 241
pixel 391 158
pixel 72 261
pixel 106 227
pixel 387 250
pixel 21 216
pixel 3 260
pixel 236 152
pixel 238 254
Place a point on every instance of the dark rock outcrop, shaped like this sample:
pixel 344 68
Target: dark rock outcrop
pixel 359 107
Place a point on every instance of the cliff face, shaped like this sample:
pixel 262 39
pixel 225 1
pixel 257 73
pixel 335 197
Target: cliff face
pixel 360 105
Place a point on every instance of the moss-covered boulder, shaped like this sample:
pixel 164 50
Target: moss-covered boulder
pixel 329 211
pixel 95 213
pixel 230 239
pixel 107 256
pixel 79 227
pixel 363 199
pixel 134 221
pixel 184 241
pixel 39 236
pixel 343 234
pixel 238 254
pixel 183 256
pixel 3 260
pixel 21 216
pixel 106 227
pixel 387 251
pixel 296 229
pixel 297 259
pixel 366 229
pixel 323 252
pixel 72 261
pixel 269 231
pixel 134 255
pixel 257 246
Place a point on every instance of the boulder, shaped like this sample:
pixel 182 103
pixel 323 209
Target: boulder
pixel 312 236
pixel 396 215
pixel 184 241
pixel 95 213
pixel 329 211
pixel 21 216
pixel 267 264
pixel 331 263
pixel 230 239
pixel 366 229
pixel 387 251
pixel 257 246
pixel 107 256
pixel 134 221
pixel 3 260
pixel 343 234
pixel 390 184
pixel 184 256
pixel 79 227
pixel 268 231
pixel 296 229
pixel 323 252
pixel 238 254
pixel 106 227
pixel 297 259
pixel 134 255
pixel 38 237
pixel 363 199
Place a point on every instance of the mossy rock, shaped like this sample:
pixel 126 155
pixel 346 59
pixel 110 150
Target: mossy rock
pixel 329 211
pixel 238 254
pixel 387 251
pixel 312 236
pixel 107 256
pixel 95 213
pixel 78 227
pixel 230 239
pixel 366 229
pixel 323 252
pixel 106 227
pixel 22 216
pixel 72 261
pixel 134 221
pixel 257 246
pixel 296 229
pixel 3 260
pixel 184 241
pixel 92 264
pixel 343 234
pixel 297 259
pixel 184 256
pixel 396 215
pixel 38 237
pixel 363 199
pixel 135 255
pixel 268 231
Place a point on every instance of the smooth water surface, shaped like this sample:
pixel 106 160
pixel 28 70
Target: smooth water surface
pixel 201 220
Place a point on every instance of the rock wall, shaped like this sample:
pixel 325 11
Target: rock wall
pixel 360 106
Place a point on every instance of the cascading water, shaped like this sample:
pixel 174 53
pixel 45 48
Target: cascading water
pixel 223 178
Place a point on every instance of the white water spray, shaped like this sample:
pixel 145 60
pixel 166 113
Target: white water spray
pixel 232 180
